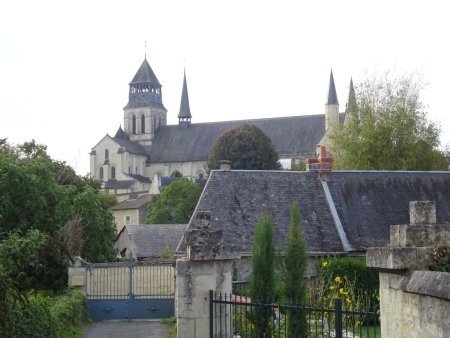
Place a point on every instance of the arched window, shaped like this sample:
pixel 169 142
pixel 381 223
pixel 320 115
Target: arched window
pixel 106 154
pixel 113 173
pixel 133 125
pixel 101 173
pixel 200 175
pixel 143 124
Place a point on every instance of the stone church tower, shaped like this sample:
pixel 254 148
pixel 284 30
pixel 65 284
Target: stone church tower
pixel 145 111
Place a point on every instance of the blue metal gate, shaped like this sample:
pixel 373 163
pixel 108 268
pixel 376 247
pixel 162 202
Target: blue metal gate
pixel 130 290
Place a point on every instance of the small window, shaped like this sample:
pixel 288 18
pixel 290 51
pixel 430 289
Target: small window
pixel 143 124
pixel 113 173
pixel 133 125
pixel 200 175
pixel 129 170
pixel 127 219
pixel 137 171
pixel 106 154
pixel 101 173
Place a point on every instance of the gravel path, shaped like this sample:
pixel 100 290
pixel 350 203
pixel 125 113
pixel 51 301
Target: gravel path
pixel 128 329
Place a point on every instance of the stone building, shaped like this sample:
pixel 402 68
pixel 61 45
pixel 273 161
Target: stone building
pixel 343 213
pixel 146 145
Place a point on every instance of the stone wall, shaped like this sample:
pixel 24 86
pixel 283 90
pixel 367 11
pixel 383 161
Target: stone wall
pixel 414 302
pixel 208 265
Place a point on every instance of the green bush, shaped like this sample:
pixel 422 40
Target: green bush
pixel 43 315
pixel 364 280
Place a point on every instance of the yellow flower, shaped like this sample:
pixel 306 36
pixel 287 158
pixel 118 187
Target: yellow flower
pixel 342 292
pixel 324 264
pixel 332 287
pixel 348 300
pixel 337 279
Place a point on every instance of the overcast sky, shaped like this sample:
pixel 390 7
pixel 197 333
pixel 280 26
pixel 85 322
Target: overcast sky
pixel 65 65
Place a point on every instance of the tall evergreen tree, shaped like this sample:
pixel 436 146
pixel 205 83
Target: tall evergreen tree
pixel 295 263
pixel 262 282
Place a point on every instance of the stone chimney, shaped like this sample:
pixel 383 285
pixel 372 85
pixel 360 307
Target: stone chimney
pixel 225 165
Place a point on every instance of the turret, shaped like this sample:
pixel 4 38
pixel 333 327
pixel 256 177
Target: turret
pixel 331 105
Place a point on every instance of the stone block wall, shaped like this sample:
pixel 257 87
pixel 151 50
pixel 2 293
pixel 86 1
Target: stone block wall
pixel 414 302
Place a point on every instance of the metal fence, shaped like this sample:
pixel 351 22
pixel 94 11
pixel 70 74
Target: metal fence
pixel 236 316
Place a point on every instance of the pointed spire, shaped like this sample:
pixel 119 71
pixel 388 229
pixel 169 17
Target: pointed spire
pixel 145 74
pixel 185 111
pixel 120 134
pixel 332 96
pixel 351 103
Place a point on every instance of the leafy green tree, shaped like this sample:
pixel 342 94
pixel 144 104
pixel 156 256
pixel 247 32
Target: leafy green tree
pixel 99 231
pixel 295 263
pixel 386 128
pixel 262 280
pixel 247 147
pixel 176 203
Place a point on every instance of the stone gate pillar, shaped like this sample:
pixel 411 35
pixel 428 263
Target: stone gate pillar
pixel 208 265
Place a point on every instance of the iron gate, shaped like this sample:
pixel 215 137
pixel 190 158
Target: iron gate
pixel 130 290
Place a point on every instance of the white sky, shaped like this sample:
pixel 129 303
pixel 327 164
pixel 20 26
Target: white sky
pixel 65 65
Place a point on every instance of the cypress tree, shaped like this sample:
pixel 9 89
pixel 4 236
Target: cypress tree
pixel 295 263
pixel 262 278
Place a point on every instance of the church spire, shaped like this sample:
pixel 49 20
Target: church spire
pixel 332 96
pixel 332 105
pixel 184 116
pixel 351 103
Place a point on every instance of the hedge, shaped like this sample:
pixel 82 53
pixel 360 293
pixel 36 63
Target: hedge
pixel 44 315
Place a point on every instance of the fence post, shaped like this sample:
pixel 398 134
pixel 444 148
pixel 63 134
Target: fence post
pixel 338 317
pixel 130 268
pixel 211 310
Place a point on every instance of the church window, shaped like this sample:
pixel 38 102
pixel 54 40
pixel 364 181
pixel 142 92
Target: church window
pixel 106 154
pixel 137 171
pixel 143 124
pixel 133 125
pixel 113 173
pixel 129 170
pixel 101 173
pixel 200 175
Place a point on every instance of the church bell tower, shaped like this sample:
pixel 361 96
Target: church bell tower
pixel 145 111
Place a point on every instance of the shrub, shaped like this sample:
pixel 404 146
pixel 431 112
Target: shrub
pixel 43 315
pixel 350 274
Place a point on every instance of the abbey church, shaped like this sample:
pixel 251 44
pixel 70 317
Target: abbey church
pixel 147 148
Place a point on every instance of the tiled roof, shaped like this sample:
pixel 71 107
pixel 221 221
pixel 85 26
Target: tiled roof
pixel 151 239
pixel 368 203
pixel 132 203
pixel 291 136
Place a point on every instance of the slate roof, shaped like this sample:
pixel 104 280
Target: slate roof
pixel 132 203
pixel 114 184
pixel 140 178
pixel 130 146
pixel 185 110
pixel 332 96
pixel 368 203
pixel 296 135
pixel 145 74
pixel 151 239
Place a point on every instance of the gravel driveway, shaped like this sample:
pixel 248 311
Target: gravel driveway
pixel 128 329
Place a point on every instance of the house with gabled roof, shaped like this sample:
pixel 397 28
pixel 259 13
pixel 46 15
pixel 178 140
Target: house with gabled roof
pixel 145 241
pixel 343 212
pixel 146 145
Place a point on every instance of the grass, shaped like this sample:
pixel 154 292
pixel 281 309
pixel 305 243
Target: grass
pixel 172 324
pixel 374 331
